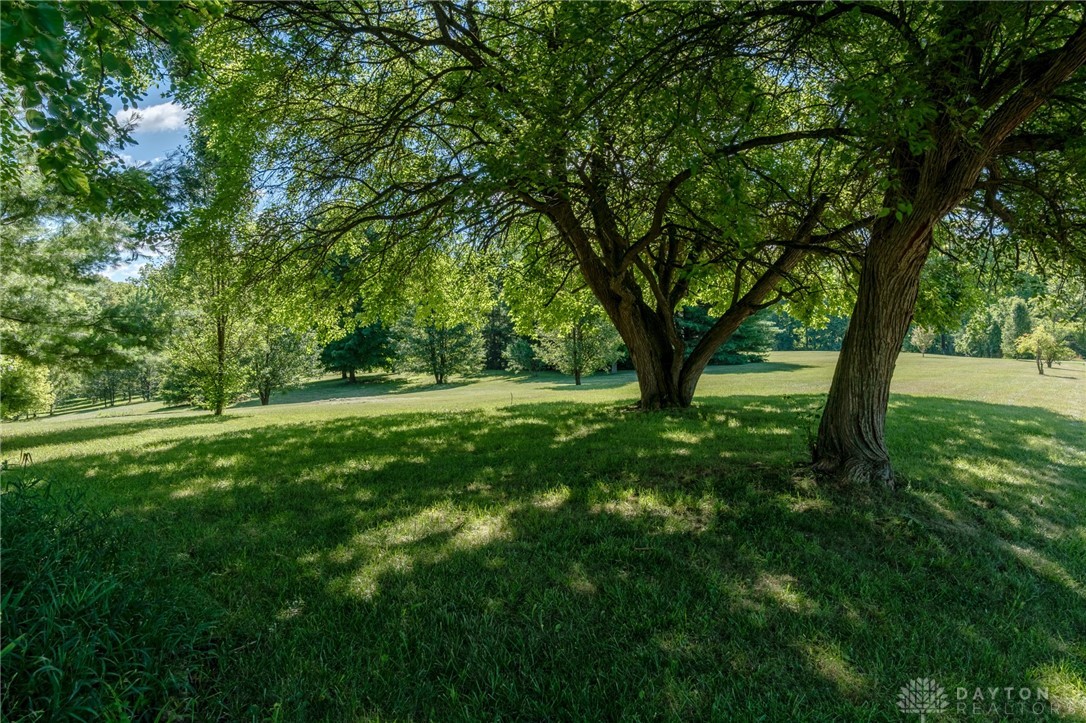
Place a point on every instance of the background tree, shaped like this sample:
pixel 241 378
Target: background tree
pixel 278 359
pixel 1044 344
pixel 439 347
pixel 1017 322
pixel 751 342
pixel 586 345
pixel 362 349
pixel 520 356
pixel 497 336
pixel 922 339
pixel 440 333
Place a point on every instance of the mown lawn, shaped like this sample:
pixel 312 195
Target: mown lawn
pixel 517 548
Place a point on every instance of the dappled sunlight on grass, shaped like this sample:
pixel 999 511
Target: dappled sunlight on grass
pixel 571 560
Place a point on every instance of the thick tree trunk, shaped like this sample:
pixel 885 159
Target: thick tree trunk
pixel 342 373
pixel 577 377
pixel 657 364
pixel 351 378
pixel 850 438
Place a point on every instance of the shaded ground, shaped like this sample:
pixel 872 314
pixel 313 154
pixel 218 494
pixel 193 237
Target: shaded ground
pixel 573 561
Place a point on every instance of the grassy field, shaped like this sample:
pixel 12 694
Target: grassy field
pixel 519 548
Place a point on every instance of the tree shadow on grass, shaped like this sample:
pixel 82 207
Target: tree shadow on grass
pixel 756 368
pixel 370 386
pixel 104 429
pixel 564 561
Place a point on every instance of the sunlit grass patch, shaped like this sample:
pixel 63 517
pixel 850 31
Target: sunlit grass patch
pixel 559 558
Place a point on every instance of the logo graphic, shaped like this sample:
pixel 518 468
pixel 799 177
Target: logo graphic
pixel 922 696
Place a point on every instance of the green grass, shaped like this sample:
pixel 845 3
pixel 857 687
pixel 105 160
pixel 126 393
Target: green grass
pixel 518 548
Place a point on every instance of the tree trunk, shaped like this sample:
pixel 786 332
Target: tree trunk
pixel 351 378
pixel 1040 365
pixel 265 395
pixel 343 373
pixel 850 442
pixel 220 369
pixel 577 377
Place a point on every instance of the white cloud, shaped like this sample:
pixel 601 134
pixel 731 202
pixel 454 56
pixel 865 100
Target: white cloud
pixel 161 118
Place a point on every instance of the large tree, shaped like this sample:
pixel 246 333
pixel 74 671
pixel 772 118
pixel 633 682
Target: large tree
pixel 960 108
pixel 656 154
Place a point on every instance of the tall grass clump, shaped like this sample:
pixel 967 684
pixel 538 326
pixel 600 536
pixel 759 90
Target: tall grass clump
pixel 84 635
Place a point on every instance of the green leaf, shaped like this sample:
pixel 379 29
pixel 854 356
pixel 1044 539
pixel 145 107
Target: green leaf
pixel 35 119
pixel 74 180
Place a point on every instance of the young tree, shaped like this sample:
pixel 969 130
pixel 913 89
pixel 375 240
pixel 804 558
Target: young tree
pixel 439 347
pixel 1044 344
pixel 278 359
pixel 440 334
pixel 922 339
pixel 588 344
pixel 205 358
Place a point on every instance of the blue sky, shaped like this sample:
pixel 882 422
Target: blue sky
pixel 160 129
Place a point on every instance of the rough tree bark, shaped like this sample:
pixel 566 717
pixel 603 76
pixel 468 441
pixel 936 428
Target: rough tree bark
pixel 666 376
pixel 851 441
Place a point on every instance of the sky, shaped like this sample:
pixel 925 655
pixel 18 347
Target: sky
pixel 160 130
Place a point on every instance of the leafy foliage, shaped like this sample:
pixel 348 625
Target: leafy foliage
pixel 439 347
pixel 63 63
pixel 362 349
pixel 24 388
pixel 586 345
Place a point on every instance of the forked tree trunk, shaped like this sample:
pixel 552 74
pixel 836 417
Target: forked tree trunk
pixel 851 441
pixel 655 359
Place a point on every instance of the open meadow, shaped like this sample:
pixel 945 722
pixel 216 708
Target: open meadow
pixel 515 547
